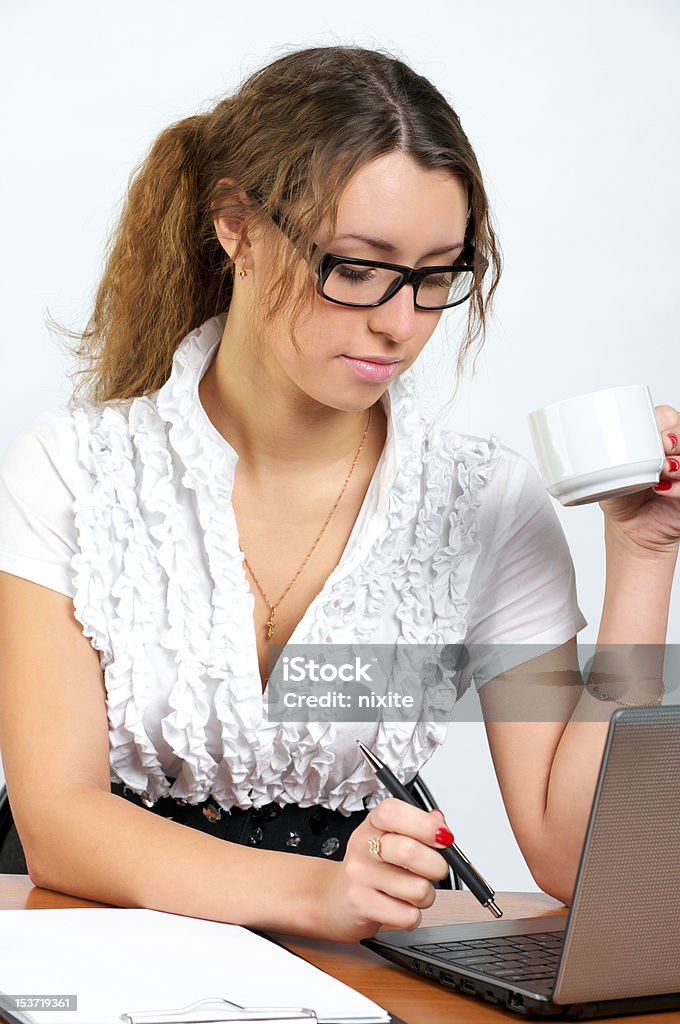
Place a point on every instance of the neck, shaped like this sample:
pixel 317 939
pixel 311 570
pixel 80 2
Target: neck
pixel 277 428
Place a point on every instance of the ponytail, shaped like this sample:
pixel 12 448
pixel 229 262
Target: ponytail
pixel 165 272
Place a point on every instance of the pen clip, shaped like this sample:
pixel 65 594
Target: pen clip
pixel 216 1009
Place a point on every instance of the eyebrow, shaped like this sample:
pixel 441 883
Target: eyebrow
pixel 379 243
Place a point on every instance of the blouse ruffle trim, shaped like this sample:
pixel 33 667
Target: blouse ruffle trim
pixel 128 450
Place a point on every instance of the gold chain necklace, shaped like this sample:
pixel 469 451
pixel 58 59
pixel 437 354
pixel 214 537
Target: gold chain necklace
pixel 271 621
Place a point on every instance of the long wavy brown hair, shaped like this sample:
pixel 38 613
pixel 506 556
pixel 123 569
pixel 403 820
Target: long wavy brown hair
pixel 292 135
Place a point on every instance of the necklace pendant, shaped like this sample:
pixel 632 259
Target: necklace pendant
pixel 271 624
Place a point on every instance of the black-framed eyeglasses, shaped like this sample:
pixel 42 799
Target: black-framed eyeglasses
pixel 368 283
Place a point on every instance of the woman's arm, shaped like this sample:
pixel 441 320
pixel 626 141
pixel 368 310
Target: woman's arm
pixel 547 768
pixel 635 612
pixel 547 738
pixel 81 839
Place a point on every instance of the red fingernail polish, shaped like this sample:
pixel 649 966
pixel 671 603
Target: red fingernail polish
pixel 663 485
pixel 673 439
pixel 673 465
pixel 443 837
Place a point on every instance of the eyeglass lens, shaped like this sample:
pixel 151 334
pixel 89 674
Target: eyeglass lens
pixel 367 285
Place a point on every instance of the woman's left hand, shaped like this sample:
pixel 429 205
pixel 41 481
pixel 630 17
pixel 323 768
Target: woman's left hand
pixel 650 519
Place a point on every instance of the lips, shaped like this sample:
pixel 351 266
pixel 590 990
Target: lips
pixel 376 368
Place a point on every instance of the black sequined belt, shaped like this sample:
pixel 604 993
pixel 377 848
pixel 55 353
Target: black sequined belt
pixel 312 831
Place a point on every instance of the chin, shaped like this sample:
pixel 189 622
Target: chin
pixel 355 398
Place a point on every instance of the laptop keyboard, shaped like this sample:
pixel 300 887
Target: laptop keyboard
pixel 511 957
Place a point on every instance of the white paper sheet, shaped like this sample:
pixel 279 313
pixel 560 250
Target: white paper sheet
pixel 117 960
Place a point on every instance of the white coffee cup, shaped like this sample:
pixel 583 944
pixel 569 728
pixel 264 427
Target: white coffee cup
pixel 597 445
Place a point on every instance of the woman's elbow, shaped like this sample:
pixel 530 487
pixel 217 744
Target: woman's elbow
pixel 35 873
pixel 559 885
pixel 39 859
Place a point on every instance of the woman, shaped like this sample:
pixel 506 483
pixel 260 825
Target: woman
pixel 252 469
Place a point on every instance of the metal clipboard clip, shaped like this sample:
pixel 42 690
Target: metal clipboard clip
pixel 215 1010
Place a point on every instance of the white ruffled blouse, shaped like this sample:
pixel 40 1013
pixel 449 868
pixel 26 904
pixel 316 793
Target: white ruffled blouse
pixel 125 507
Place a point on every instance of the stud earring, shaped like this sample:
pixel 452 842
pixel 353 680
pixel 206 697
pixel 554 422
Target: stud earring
pixel 243 272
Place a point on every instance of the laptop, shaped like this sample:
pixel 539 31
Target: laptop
pixel 617 951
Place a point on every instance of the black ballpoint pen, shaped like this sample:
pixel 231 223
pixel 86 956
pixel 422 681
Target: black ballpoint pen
pixel 453 856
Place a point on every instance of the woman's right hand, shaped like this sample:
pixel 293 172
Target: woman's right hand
pixel 370 891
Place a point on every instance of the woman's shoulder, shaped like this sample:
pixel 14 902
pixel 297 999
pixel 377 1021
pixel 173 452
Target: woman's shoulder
pixel 56 453
pixel 508 464
pixel 50 424
pixel 40 475
pixel 498 482
pixel 59 478
pixel 448 451
pixel 56 434
pixel 46 446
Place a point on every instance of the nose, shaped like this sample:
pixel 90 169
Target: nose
pixel 396 317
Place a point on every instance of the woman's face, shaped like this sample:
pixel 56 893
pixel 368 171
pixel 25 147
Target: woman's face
pixel 418 216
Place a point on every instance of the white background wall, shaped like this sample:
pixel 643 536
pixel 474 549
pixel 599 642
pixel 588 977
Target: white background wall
pixel 572 109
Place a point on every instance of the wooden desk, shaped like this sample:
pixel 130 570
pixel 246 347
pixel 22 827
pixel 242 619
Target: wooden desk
pixel 414 999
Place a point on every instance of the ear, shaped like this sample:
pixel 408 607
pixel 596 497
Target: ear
pixel 231 231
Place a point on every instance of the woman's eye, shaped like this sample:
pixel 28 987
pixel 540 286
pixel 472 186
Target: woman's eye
pixel 352 274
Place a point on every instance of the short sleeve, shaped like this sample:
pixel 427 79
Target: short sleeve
pixel 525 599
pixel 38 475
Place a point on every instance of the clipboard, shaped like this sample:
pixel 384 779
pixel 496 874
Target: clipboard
pixel 65 942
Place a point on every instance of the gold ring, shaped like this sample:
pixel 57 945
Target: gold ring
pixel 374 845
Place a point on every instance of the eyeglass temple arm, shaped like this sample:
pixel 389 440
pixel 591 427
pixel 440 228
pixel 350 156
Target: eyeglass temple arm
pixel 277 217
pixel 281 222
